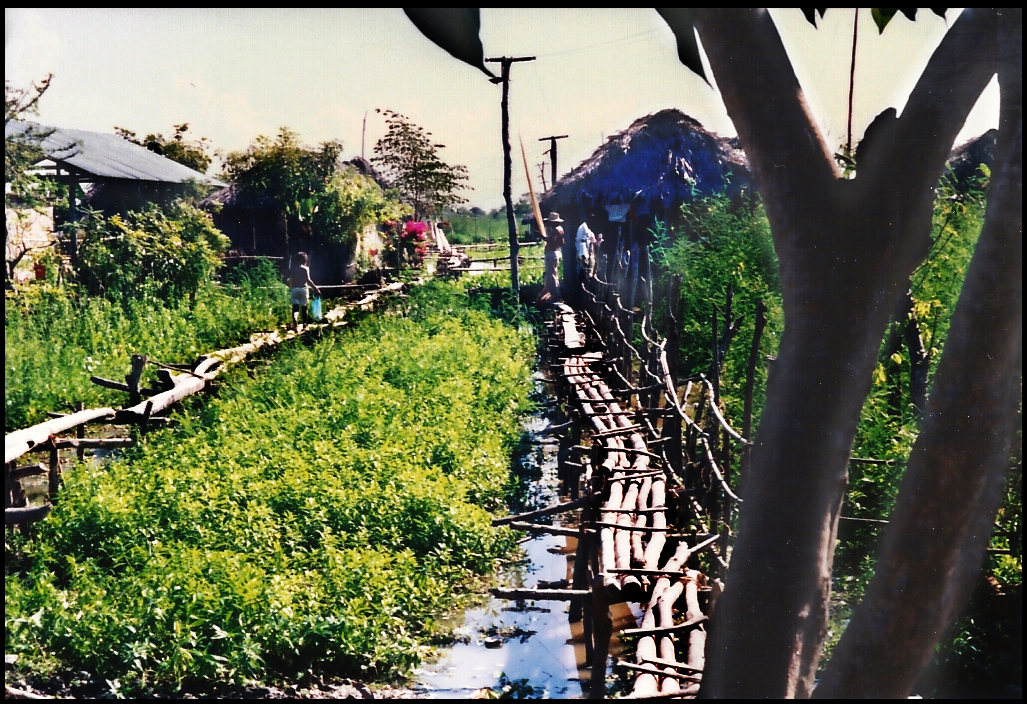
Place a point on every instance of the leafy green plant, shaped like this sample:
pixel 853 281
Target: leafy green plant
pixel 165 254
pixel 317 516
pixel 720 247
pixel 55 340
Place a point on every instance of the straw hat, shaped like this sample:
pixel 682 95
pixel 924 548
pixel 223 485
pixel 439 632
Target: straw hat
pixel 553 217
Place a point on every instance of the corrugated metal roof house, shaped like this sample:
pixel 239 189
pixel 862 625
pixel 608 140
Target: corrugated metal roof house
pixel 125 175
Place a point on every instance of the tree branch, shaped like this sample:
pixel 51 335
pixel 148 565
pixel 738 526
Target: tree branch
pixel 956 75
pixel 787 154
pixel 953 485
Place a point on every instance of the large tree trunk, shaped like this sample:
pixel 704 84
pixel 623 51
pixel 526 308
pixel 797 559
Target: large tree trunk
pixel 846 249
pixel 940 526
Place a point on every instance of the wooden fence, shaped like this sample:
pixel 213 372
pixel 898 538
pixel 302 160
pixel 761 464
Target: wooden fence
pixel 650 460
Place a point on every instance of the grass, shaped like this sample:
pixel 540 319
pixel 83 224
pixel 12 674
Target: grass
pixel 54 340
pixel 316 516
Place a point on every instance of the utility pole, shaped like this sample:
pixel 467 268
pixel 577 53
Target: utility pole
pixel 552 154
pixel 504 78
pixel 363 134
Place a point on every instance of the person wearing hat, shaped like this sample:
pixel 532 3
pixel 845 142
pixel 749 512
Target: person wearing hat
pixel 552 233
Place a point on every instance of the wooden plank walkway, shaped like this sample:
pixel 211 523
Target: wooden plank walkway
pixel 628 547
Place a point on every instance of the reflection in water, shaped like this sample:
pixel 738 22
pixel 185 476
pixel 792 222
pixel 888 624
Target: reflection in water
pixel 506 641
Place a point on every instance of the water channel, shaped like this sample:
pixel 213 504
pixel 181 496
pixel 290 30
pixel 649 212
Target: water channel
pixel 530 648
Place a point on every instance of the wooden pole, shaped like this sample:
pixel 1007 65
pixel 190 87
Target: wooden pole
pixel 674 311
pixel 54 474
pixel 506 62
pixel 552 154
pixel 133 377
pixel 80 432
pixel 72 217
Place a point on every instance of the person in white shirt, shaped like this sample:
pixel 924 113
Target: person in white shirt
pixel 584 247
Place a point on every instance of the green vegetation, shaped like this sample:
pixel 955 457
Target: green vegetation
pixel 409 158
pixel 165 254
pixel 723 246
pixel 307 187
pixel 317 516
pixel 726 245
pixel 475 226
pixel 54 339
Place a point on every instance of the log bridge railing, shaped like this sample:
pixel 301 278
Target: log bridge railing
pixel 142 410
pixel 651 474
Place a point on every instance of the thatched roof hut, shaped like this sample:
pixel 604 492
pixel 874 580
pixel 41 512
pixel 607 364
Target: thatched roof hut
pixel 655 165
pixel 644 174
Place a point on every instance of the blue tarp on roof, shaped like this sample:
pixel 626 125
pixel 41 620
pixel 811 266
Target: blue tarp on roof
pixel 107 156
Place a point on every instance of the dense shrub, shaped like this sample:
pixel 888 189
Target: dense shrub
pixel 320 516
pixel 166 254
pixel 723 246
pixel 55 340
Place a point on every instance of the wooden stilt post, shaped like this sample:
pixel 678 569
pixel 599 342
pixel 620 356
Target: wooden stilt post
pixel 673 423
pixel 602 631
pixel 80 432
pixel 54 475
pixel 133 377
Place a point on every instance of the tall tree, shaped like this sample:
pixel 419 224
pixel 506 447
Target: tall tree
pixel 410 159
pixel 846 248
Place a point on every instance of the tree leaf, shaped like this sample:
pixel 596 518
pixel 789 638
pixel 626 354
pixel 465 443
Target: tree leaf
pixel 810 13
pixel 682 23
pixel 454 29
pixel 882 16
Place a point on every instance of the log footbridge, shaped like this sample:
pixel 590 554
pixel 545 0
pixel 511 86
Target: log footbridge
pixel 175 382
pixel 647 483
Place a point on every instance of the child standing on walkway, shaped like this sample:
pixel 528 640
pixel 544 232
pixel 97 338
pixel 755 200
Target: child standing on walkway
pixel 297 279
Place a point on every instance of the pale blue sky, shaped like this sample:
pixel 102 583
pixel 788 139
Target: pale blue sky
pixel 234 74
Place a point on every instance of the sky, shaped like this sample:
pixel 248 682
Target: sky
pixel 236 74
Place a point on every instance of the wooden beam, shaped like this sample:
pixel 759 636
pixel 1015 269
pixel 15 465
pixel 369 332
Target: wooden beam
pixel 109 384
pixel 660 673
pixel 540 528
pixel 661 630
pixel 19 442
pixel 549 510
pixel 549 594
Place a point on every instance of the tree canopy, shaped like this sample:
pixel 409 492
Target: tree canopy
pixel 410 160
pixel 191 153
pixel 309 187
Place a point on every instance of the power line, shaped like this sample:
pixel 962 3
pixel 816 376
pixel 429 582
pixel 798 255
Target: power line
pixel 629 39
